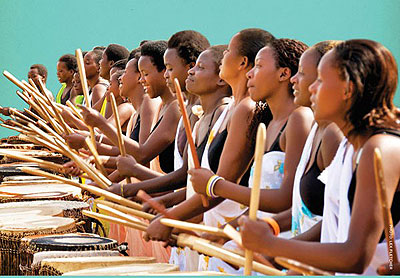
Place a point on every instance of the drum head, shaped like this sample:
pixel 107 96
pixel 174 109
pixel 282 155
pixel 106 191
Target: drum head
pixel 35 224
pixel 38 192
pixel 72 243
pixel 131 269
pixel 25 212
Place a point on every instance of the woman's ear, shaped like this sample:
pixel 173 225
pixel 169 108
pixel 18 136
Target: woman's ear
pixel 221 82
pixel 349 90
pixel 244 64
pixel 284 74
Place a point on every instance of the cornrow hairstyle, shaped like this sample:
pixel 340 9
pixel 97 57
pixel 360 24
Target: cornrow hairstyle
pixel 116 52
pixel 101 48
pixel 96 55
pixel 155 50
pixel 189 44
pixel 373 72
pixel 251 41
pixel 41 70
pixel 121 64
pixel 70 62
pixel 133 53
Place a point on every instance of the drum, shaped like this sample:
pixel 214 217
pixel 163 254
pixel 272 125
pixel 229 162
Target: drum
pixel 71 209
pixel 26 180
pixel 73 242
pixel 27 146
pixel 26 212
pixel 42 154
pixel 59 266
pixel 194 273
pixel 126 270
pixel 12 169
pixel 12 230
pixel 48 191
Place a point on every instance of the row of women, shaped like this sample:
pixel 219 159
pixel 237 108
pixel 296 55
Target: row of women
pixel 326 108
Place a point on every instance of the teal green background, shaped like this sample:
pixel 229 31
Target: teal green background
pixel 40 31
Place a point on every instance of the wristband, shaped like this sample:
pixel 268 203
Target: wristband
pixel 122 189
pixel 101 138
pixel 210 186
pixel 273 224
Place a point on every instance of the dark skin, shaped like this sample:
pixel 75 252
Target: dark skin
pixel 330 94
pixel 299 121
pixel 203 80
pixel 92 70
pixel 236 156
pixel 65 75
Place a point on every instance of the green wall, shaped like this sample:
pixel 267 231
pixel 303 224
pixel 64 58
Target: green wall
pixel 40 31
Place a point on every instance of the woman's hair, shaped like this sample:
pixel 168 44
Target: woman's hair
pixel 322 47
pixel 155 50
pixel 251 41
pixel 372 70
pixel 96 55
pixel 189 44
pixel 70 62
pixel 217 53
pixel 287 53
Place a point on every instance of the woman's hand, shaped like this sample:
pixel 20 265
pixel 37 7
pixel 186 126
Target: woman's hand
pixel 199 179
pixel 91 116
pixel 157 231
pixel 115 188
pixel 149 209
pixel 255 234
pixel 75 141
pixel 72 169
pixel 386 269
pixel 125 165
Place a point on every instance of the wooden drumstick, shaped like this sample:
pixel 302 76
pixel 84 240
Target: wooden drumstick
pixel 17 113
pixel 114 220
pixel 155 205
pixel 192 227
pixel 121 215
pixel 97 159
pixel 207 248
pixel 387 216
pixel 93 189
pixel 188 130
pixel 121 143
pixel 75 110
pixel 301 267
pixel 255 190
pixel 127 210
pixel 82 74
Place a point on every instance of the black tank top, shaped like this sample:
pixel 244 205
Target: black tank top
pixel 166 157
pixel 312 189
pixel 395 208
pixel 136 130
pixel 275 147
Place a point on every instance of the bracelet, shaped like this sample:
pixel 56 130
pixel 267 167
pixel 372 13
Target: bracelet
pixel 273 224
pixel 210 185
pixel 122 189
pixel 101 138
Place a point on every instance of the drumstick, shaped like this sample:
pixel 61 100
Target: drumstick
pixel 114 220
pixel 14 80
pixel 121 215
pixel 97 159
pixel 205 247
pixel 387 216
pixel 255 190
pixel 121 143
pixel 134 212
pixel 155 205
pixel 22 96
pixel 33 114
pixel 75 110
pixel 188 130
pixel 13 128
pixel 93 189
pixel 192 227
pixel 82 74
pixel 19 114
pixel 60 119
pixel 42 163
pixel 301 267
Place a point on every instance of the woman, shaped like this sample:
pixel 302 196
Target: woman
pixel 66 67
pixel 355 88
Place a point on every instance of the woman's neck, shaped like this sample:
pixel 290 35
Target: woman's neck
pixel 137 99
pixel 93 81
pixel 239 89
pixel 166 96
pixel 212 100
pixel 281 104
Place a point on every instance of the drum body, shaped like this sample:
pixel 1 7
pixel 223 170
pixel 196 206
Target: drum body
pixel 70 242
pixel 12 230
pixel 59 266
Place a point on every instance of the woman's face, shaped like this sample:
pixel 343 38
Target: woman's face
pixel 231 61
pixel 114 84
pixel 129 81
pixel 263 78
pixel 203 77
pixel 305 76
pixel 152 80
pixel 328 92
pixel 76 82
pixel 63 73
pixel 91 67
pixel 175 67
pixel 105 66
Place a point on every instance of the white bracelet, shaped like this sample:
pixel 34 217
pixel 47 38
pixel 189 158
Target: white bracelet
pixel 101 138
